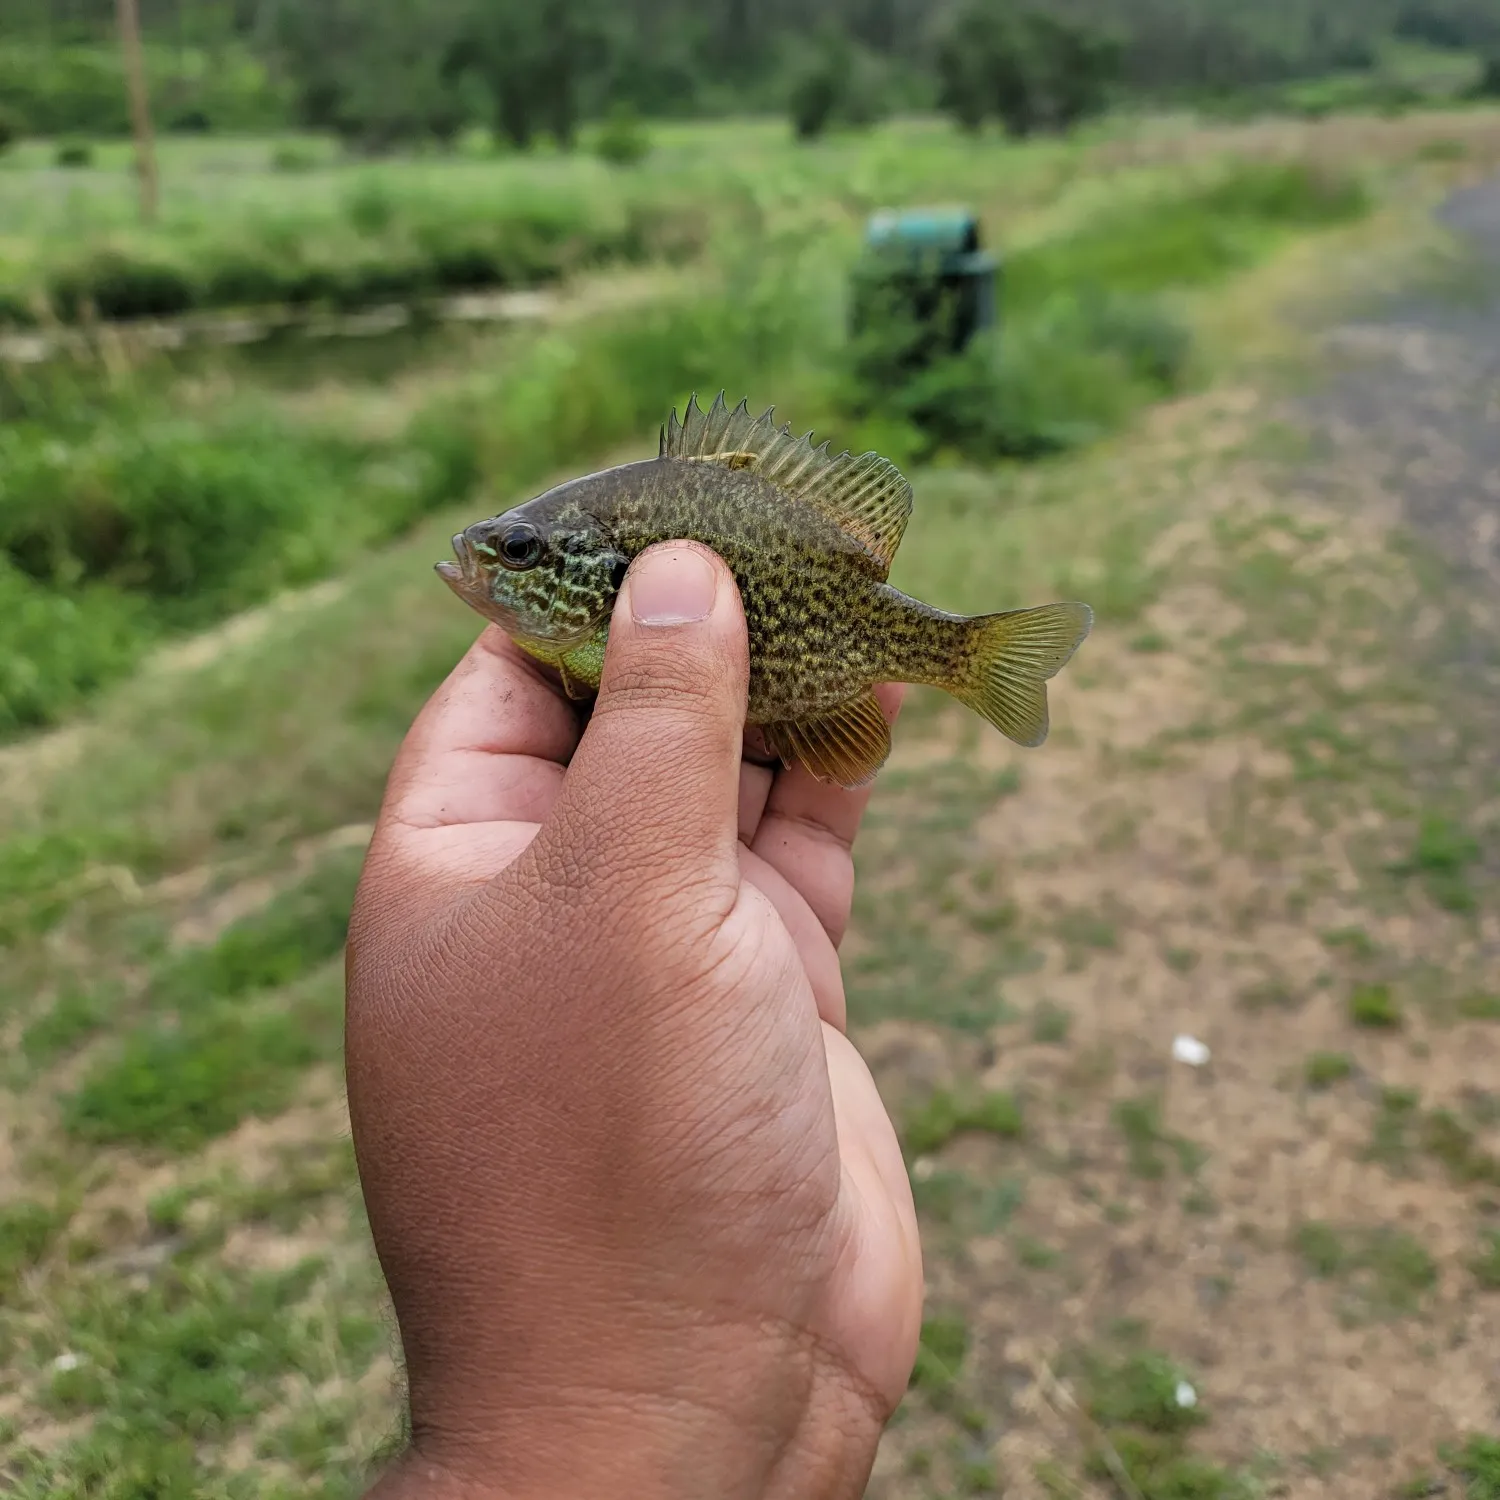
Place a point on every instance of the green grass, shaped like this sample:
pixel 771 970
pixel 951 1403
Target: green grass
pixel 339 236
pixel 175 1085
pixel 27 1230
pixel 1388 1273
pixel 1486 1263
pixel 1324 1069
pixel 200 1354
pixel 1148 1143
pixel 1441 858
pixel 940 1357
pixel 947 1114
pixel 1145 1430
pixel 1477 1463
pixel 1374 1007
pixel 299 929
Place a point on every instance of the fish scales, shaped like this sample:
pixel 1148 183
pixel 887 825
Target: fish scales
pixel 809 538
pixel 823 625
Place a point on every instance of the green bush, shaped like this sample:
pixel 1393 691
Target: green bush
pixel 622 141
pixel 289 157
pixel 73 153
pixel 1042 385
pixel 59 645
pixel 379 245
pixel 119 522
pixel 12 128
pixel 115 284
pixel 68 86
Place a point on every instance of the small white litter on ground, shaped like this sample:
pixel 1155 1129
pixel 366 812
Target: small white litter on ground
pixel 1189 1050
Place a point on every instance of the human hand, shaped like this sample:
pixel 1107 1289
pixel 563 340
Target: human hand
pixel 644 1219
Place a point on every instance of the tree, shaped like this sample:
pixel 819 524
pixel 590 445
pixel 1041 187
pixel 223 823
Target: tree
pixel 821 86
pixel 534 56
pixel 1031 69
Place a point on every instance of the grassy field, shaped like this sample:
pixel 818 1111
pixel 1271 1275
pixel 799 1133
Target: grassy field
pixel 259 222
pixel 1267 818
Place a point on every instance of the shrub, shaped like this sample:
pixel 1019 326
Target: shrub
pixel 59 645
pixel 113 283
pixel 622 141
pixel 12 128
pixel 74 153
pixel 290 157
pixel 1046 383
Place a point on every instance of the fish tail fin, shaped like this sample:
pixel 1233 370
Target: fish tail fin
pixel 1007 660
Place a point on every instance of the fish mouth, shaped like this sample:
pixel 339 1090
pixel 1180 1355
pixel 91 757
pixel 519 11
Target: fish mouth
pixel 461 576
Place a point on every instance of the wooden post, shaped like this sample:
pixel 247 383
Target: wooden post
pixel 140 104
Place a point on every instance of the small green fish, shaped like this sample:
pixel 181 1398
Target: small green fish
pixel 809 538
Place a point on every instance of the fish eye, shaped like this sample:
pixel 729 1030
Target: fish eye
pixel 519 547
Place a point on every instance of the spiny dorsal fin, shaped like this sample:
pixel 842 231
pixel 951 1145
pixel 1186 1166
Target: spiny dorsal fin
pixel 864 495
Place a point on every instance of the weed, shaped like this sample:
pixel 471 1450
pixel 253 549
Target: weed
pixel 1442 857
pixel 1322 1247
pixel 72 1018
pixel 1159 1469
pixel 1181 960
pixel 1390 1142
pixel 27 1230
pixel 1354 941
pixel 191 1356
pixel 1373 1006
pixel 940 1356
pixel 1139 1121
pixel 176 1085
pixel 1141 1390
pixel 301 928
pixel 1324 1069
pixel 1447 1138
pixel 1389 1271
pixel 1477 1463
pixel 1050 1024
pixel 946 1115
pixel 1034 1255
pixel 1480 1007
pixel 1486 1264
pixel 1084 928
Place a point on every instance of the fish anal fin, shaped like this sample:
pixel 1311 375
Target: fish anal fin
pixel 844 748
pixel 864 495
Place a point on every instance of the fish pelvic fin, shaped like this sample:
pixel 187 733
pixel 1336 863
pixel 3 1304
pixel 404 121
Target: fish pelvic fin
pixel 845 748
pixel 865 496
pixel 1008 659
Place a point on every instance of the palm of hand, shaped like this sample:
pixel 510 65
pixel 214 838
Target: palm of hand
pixel 766 1187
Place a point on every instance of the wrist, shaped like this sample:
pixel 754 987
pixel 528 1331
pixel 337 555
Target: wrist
pixel 811 1434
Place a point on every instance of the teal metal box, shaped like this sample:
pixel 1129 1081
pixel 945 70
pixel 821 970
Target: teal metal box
pixel 927 266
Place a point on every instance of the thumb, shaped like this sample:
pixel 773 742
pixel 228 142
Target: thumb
pixel 652 793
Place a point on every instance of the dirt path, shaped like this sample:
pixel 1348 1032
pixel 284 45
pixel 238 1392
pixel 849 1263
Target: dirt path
pixel 1267 822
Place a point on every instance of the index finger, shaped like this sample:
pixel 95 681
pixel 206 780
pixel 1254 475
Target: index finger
pixel 489 746
pixel 807 833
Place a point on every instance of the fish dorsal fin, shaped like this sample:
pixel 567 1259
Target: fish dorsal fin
pixel 864 495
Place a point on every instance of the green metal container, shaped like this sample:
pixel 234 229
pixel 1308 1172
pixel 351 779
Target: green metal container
pixel 925 267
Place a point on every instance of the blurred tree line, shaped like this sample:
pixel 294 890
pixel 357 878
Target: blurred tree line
pixel 382 73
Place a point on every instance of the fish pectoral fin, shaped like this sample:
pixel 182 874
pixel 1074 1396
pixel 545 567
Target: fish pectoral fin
pixel 575 687
pixel 845 748
pixel 864 495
